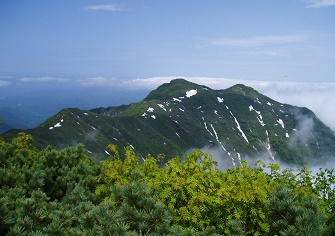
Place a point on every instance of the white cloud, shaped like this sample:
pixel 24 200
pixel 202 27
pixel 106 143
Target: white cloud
pixel 318 97
pixel 44 79
pixel 257 41
pixel 97 81
pixel 263 46
pixel 265 53
pixel 147 84
pixel 319 3
pixel 135 84
pixel 109 7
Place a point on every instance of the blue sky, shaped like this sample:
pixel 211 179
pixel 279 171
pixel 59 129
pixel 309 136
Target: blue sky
pixel 283 48
pixel 253 40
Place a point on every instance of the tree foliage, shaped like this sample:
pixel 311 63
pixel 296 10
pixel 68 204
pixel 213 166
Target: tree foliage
pixel 63 192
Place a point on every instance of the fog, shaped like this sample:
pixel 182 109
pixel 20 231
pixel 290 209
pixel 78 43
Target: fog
pixel 224 161
pixel 303 132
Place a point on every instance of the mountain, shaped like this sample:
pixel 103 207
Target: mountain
pixel 4 126
pixel 27 105
pixel 236 123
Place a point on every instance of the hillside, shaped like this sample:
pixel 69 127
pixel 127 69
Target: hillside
pixel 179 116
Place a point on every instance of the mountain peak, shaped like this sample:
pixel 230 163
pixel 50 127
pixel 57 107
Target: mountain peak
pixel 174 88
pixel 180 81
pixel 244 90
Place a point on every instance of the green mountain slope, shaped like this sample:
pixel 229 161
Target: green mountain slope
pixel 237 122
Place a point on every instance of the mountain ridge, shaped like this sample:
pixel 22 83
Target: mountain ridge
pixel 180 115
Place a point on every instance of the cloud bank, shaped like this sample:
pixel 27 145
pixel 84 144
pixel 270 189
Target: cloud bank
pixel 97 81
pixel 45 79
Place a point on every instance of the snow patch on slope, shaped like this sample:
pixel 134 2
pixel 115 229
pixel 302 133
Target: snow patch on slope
pixel 161 106
pixel 239 128
pixel 269 146
pixel 57 125
pixel 206 127
pixel 150 109
pixel 280 121
pixel 220 99
pixel 191 93
pixel 217 139
pixel 259 116
pixel 216 135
